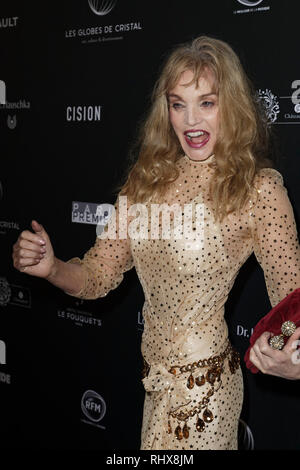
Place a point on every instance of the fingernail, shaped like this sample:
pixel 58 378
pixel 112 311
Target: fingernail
pixel 42 242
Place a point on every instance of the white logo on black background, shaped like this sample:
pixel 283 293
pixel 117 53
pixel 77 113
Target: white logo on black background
pixel 101 33
pixel 290 105
pixel 270 104
pixel 2 92
pixel 287 106
pixel 253 6
pixel 79 317
pixel 102 8
pixel 84 113
pixel 93 407
pixel 5 292
pixel 249 3
pixel 13 107
pixel 6 225
pixel 14 295
pixel 296 95
pixel 2 352
pixel 140 321
pixel 241 331
pixel 9 22
pixel 92 213
pixel 11 122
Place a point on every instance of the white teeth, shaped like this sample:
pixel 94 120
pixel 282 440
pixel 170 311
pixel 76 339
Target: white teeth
pixel 195 134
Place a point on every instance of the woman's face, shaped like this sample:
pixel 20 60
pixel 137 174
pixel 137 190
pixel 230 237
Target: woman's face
pixel 194 115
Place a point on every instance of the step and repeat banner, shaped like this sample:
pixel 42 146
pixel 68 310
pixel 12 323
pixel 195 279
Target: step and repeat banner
pixel 75 81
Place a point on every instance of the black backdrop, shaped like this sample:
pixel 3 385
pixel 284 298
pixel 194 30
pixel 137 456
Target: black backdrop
pixel 71 375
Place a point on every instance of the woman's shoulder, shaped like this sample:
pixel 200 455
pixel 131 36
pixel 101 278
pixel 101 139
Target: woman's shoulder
pixel 268 188
pixel 267 178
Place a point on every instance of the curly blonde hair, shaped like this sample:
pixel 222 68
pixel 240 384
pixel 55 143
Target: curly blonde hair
pixel 242 143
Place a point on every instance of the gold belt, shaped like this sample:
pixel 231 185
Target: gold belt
pixel 215 365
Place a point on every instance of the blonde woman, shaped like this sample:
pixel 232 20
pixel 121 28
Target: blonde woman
pixel 203 149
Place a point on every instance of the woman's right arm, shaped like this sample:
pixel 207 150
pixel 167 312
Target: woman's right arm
pixel 33 254
pixel 101 269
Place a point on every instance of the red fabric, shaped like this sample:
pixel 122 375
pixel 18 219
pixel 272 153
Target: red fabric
pixel 287 309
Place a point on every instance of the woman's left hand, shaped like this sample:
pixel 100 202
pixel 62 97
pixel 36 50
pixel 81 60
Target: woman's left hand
pixel 284 363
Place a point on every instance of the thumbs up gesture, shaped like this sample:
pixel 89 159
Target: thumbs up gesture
pixel 33 252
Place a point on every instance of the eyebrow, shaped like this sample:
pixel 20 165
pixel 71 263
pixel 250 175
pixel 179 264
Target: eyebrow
pixel 173 95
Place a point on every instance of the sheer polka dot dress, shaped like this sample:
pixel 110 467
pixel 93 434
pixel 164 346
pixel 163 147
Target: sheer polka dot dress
pixel 191 404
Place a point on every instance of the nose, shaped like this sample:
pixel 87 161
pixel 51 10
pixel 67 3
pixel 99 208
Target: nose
pixel 192 115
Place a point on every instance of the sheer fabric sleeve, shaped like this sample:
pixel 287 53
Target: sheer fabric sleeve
pixel 105 263
pixel 275 238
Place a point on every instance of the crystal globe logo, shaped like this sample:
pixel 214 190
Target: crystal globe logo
pixel 269 103
pixel 93 406
pixel 102 8
pixel 249 3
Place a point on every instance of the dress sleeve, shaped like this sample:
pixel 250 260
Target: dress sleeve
pixel 275 238
pixel 105 263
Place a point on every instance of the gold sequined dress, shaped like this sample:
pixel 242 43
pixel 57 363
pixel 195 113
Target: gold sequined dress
pixel 185 291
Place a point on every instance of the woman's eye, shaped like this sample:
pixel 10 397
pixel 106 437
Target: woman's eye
pixel 176 105
pixel 207 104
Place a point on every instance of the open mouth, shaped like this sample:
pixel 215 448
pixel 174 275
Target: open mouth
pixel 196 138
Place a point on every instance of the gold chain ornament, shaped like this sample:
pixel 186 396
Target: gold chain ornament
pixel 215 365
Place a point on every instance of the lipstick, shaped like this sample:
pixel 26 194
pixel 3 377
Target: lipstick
pixel 196 138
